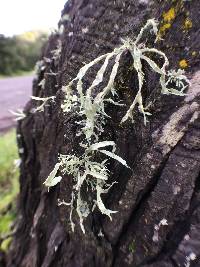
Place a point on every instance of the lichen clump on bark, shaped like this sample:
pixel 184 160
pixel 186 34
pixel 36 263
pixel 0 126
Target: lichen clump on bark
pixel 90 109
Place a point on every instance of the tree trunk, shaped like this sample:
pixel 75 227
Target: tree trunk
pixel 158 218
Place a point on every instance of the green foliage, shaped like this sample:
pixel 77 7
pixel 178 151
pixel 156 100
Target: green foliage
pixel 6 243
pixel 20 53
pixel 5 222
pixel 8 153
pixel 9 186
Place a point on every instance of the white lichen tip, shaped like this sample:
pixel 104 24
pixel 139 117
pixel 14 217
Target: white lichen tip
pixel 42 83
pixel 157 227
pixel 52 179
pixel 163 222
pixel 20 115
pixel 191 257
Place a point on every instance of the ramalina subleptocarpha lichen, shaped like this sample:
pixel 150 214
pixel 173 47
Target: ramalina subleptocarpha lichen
pixel 91 111
pixel 44 101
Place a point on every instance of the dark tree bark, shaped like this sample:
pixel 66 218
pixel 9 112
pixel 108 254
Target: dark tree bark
pixel 164 155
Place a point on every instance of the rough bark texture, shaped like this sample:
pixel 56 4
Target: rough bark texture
pixel 164 155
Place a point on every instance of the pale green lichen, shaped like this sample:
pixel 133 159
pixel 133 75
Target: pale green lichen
pixel 39 66
pixel 179 79
pixel 44 101
pixel 52 178
pixel 90 109
pixel 57 52
pixel 42 83
pixel 19 114
pixel 85 170
pixel 93 108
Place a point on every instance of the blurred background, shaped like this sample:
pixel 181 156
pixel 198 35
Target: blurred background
pixel 24 29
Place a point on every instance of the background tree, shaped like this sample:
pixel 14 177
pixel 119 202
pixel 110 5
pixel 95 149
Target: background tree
pixel 157 223
pixel 20 53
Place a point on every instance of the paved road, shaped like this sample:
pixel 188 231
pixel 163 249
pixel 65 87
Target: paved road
pixel 14 93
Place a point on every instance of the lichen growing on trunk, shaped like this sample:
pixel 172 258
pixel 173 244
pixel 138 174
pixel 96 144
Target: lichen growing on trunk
pixel 91 111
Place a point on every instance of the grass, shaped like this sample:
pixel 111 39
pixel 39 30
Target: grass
pixel 9 186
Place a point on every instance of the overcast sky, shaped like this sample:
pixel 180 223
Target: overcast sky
pixel 18 16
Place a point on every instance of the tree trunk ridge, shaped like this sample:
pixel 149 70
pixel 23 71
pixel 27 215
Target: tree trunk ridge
pixel 164 155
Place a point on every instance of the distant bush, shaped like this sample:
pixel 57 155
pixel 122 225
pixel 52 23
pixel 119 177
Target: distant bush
pixel 20 53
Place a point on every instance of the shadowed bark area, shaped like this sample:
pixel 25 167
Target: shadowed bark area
pixel 164 155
